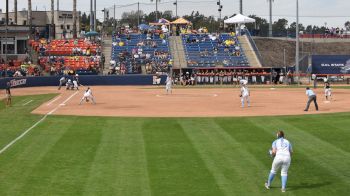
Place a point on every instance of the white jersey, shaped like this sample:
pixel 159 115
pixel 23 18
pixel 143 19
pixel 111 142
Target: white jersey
pixel 88 93
pixel 244 91
pixel 168 81
pixel 283 147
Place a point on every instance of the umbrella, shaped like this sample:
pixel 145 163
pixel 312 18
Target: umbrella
pixel 143 26
pixel 91 34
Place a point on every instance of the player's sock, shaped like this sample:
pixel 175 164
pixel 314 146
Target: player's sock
pixel 284 181
pixel 271 177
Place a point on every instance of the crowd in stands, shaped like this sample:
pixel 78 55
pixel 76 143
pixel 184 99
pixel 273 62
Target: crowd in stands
pixel 18 68
pixel 131 52
pixel 212 50
pixel 69 56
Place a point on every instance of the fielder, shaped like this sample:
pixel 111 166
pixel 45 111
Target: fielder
pixel 8 96
pixel 168 85
pixel 327 91
pixel 88 96
pixel 244 93
pixel 62 82
pixel 282 151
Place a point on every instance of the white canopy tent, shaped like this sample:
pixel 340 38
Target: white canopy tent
pixel 239 19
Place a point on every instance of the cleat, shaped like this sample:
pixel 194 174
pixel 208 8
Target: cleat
pixel 283 190
pixel 267 186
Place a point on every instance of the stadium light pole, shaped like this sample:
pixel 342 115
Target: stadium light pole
pixel 175 3
pixel 270 24
pixel 297 44
pixel 241 6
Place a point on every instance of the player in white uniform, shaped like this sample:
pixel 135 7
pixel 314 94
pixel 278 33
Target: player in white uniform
pixel 88 96
pixel 168 85
pixel 244 93
pixel 327 90
pixel 282 151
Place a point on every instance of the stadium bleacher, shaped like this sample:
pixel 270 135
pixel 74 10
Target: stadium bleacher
pixel 131 52
pixel 73 55
pixel 203 50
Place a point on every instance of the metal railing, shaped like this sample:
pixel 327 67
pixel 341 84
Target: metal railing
pixel 255 47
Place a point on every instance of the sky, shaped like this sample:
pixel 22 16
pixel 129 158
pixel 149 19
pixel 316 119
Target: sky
pixel 334 13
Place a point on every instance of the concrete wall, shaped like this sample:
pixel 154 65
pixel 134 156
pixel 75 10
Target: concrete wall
pixel 85 80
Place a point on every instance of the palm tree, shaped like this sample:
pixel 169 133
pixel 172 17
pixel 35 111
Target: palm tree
pixel 74 18
pixel 30 14
pixel 15 6
pixel 270 24
pixel 156 8
pixel 52 35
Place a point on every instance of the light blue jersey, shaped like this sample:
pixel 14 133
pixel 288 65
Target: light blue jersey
pixel 283 147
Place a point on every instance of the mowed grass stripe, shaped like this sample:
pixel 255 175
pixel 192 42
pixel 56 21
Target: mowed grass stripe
pixel 120 165
pixel 234 168
pixel 16 119
pixel 333 129
pixel 174 166
pixel 19 174
pixel 317 163
pixel 63 169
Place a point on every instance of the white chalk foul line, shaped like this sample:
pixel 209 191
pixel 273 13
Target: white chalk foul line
pixel 26 103
pixel 36 124
pixel 51 102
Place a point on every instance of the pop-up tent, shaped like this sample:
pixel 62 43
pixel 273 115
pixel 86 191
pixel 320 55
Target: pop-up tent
pixel 181 21
pixel 239 19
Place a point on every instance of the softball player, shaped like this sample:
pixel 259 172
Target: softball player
pixel 244 93
pixel 327 90
pixel 8 94
pixel 282 151
pixel 168 85
pixel 88 96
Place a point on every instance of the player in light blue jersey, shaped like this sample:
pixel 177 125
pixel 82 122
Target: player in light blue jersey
pixel 282 151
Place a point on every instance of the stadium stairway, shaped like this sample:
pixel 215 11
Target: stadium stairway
pixel 249 51
pixel 107 51
pixel 177 52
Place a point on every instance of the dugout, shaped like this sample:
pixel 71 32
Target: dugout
pixel 243 72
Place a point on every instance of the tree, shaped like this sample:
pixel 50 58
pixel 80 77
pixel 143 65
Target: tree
pixel 156 8
pixel 74 18
pixel 347 25
pixel 280 27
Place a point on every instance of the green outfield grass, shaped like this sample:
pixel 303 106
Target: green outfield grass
pixel 70 155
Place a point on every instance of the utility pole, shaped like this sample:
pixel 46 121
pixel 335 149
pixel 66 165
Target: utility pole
pixel 297 45
pixel 270 24
pixel 241 6
pixel 58 5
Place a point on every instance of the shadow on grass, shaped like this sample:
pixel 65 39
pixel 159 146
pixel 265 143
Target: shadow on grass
pixel 308 185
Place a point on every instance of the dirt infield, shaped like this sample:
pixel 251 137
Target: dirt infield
pixel 135 101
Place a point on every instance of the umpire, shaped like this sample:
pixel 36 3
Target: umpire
pixel 312 97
